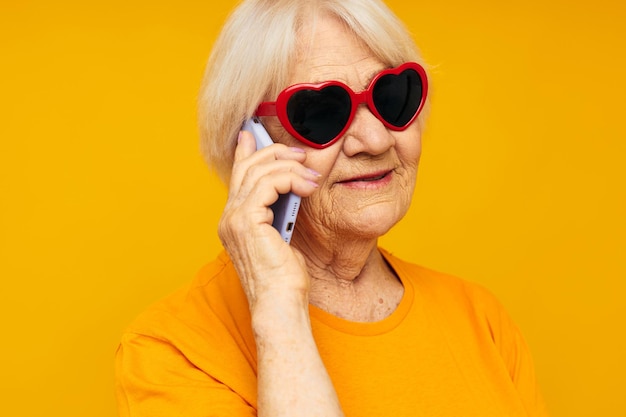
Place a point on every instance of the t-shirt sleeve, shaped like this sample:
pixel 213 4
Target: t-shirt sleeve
pixel 155 379
pixel 515 353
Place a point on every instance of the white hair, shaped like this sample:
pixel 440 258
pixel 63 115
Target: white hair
pixel 254 55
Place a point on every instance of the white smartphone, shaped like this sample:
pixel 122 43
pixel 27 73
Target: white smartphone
pixel 286 207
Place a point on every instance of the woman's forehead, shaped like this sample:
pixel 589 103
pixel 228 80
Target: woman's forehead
pixel 331 51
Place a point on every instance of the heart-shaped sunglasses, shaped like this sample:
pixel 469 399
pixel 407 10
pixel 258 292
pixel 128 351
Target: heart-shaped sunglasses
pixel 319 114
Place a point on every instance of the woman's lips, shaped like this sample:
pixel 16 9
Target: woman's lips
pixel 373 180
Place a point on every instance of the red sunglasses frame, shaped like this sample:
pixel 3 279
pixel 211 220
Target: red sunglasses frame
pixel 279 107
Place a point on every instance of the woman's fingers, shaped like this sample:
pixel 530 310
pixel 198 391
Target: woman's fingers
pixel 264 262
pixel 246 145
pixel 246 157
pixel 257 180
pixel 277 164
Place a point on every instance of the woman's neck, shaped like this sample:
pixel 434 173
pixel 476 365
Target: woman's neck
pixel 350 279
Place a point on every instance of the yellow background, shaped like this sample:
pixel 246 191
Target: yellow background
pixel 106 205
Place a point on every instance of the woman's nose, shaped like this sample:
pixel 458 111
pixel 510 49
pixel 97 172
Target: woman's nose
pixel 367 134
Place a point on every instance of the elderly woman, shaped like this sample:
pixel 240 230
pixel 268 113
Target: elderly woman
pixel 330 324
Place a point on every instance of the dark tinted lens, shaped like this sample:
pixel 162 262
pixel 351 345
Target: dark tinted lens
pixel 397 97
pixel 321 115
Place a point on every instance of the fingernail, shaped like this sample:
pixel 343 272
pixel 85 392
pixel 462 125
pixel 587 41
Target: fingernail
pixel 298 150
pixel 313 183
pixel 239 136
pixel 314 172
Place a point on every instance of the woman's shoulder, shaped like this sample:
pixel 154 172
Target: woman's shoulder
pixel 190 340
pixel 470 315
pixel 437 282
pixel 457 303
pixel 452 297
pixel 213 296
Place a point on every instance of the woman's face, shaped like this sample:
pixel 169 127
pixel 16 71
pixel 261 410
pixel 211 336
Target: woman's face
pixel 368 176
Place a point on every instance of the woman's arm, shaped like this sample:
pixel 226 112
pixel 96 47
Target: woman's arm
pixel 154 378
pixel 292 379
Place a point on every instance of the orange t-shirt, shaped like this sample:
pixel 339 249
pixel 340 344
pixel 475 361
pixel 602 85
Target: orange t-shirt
pixel 449 349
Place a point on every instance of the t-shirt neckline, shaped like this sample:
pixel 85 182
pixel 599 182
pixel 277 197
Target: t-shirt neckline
pixel 371 328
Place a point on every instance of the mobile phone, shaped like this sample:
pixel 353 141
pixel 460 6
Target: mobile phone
pixel 286 207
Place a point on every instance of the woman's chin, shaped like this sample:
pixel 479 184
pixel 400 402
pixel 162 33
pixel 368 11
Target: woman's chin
pixel 369 223
pixel 374 227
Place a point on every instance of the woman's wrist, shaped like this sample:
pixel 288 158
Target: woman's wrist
pixel 275 314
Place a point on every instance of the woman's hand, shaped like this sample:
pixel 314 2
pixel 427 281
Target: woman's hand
pixel 269 268
pixel 292 379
